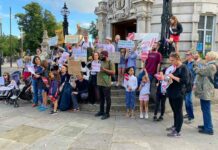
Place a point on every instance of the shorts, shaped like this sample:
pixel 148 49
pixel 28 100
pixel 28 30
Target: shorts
pixel 121 66
pixel 176 38
pixel 144 98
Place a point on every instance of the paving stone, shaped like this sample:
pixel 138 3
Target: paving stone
pixel 129 146
pixel 16 121
pixel 11 145
pixel 52 142
pixel 25 134
pixel 69 131
pixel 92 141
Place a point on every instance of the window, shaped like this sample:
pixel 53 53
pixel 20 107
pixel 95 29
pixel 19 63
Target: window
pixel 205 34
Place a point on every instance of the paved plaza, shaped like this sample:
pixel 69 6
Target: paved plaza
pixel 25 128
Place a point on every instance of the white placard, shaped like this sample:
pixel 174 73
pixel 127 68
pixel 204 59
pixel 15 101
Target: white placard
pixel 96 67
pixel 20 63
pixel 126 44
pixel 2 81
pixel 31 69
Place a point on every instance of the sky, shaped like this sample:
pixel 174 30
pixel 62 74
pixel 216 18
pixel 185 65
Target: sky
pixel 81 11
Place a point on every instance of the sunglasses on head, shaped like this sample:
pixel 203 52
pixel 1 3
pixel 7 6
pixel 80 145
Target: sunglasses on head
pixel 4 75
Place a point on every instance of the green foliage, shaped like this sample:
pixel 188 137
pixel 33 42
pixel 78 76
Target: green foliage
pixel 34 21
pixel 5 45
pixel 93 30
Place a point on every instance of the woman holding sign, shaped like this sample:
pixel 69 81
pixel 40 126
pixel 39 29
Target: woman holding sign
pixel 95 68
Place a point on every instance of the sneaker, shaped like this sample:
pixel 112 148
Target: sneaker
pixel 53 112
pixel 99 114
pixel 146 116
pixel 34 105
pixel 155 118
pixel 185 116
pixel 141 116
pixel 174 134
pixel 160 118
pixel 106 116
pixel 205 132
pixel 201 127
pixel 171 128
pixel 43 108
pixel 189 121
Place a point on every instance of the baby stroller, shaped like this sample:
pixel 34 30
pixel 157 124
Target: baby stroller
pixel 7 91
pixel 24 93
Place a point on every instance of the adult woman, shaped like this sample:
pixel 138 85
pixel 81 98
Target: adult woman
pixel 176 93
pixel 37 81
pixel 121 67
pixel 175 31
pixel 65 100
pixel 93 92
pixel 204 89
pixel 131 57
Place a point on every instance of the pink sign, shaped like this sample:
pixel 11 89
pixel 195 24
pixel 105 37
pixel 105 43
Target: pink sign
pixel 144 55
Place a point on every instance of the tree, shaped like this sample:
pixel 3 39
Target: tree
pixel 34 21
pixel 93 30
pixel 5 45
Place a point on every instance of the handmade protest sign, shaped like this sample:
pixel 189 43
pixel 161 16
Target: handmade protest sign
pixel 20 63
pixel 53 41
pixel 96 67
pixel 72 39
pixel 2 81
pixel 80 55
pixel 74 67
pixel 60 35
pixel 31 69
pixel 126 44
pixel 63 58
pixel 114 57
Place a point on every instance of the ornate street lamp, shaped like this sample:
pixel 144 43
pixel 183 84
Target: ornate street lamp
pixel 166 14
pixel 65 12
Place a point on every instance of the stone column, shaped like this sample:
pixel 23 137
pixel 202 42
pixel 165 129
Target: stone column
pixel 141 23
pixel 101 12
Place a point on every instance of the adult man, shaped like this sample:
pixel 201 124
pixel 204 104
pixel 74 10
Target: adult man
pixel 104 84
pixel 188 97
pixel 115 43
pixel 152 63
pixel 86 45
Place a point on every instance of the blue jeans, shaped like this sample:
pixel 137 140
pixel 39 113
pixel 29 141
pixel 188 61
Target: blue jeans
pixel 75 101
pixel 37 93
pixel 206 110
pixel 130 100
pixel 189 105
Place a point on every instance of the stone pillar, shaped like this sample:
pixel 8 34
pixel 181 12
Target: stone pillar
pixel 141 23
pixel 44 44
pixel 101 12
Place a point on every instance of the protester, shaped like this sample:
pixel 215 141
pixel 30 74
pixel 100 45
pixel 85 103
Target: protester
pixel 104 84
pixel 27 62
pixel 175 31
pixel 88 46
pixel 130 84
pixel 160 98
pixel 115 43
pixel 188 97
pixel 54 78
pixel 121 67
pixel 131 57
pixel 97 45
pixel 144 89
pixel 176 93
pixel 37 82
pixel 152 64
pixel 94 93
pixel 205 89
pixel 65 99
pixel 108 46
pixel 40 54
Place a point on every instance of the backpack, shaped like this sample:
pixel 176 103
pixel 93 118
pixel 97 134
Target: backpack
pixel 215 79
pixel 190 81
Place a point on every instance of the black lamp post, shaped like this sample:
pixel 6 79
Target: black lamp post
pixel 166 14
pixel 65 12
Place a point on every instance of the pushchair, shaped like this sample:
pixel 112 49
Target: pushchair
pixel 24 93
pixel 7 91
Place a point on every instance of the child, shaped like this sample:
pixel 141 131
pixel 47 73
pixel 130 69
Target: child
pixel 53 90
pixel 144 89
pixel 130 84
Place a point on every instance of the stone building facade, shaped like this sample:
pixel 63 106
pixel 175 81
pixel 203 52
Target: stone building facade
pixel 198 17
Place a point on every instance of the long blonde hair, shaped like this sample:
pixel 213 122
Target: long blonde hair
pixel 175 21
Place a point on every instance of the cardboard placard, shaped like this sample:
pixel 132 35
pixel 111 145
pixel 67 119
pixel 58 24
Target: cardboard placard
pixel 53 41
pixel 114 57
pixel 72 39
pixel 59 33
pixel 74 67
pixel 126 44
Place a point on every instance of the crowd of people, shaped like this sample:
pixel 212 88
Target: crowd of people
pixel 177 82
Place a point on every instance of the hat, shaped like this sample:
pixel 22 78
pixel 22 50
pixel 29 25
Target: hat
pixel 108 38
pixel 105 53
